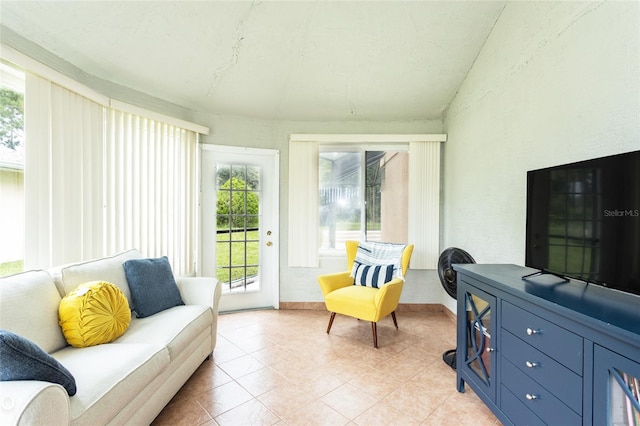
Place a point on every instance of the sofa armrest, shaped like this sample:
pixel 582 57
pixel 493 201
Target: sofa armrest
pixel 27 402
pixel 202 291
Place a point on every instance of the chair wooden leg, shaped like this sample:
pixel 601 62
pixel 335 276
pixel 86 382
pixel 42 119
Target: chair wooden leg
pixel 333 315
pixel 393 315
pixel 374 329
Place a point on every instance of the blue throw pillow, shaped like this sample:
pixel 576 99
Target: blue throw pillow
pixel 22 359
pixel 371 275
pixel 153 288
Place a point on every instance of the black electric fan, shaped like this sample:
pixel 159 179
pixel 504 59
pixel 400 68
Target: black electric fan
pixel 448 278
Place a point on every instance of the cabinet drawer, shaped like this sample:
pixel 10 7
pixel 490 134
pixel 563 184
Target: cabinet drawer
pixel 560 344
pixel 516 411
pixel 552 375
pixel 536 398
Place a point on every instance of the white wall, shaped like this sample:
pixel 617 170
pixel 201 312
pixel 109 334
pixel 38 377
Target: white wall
pixel 300 284
pixel 554 83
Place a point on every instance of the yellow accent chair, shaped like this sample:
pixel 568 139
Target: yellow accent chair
pixel 341 296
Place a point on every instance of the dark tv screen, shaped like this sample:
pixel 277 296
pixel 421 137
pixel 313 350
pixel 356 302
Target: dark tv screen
pixel 583 221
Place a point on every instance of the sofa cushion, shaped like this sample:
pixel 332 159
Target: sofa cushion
pixel 108 376
pixel 94 313
pixel 174 328
pixel 105 269
pixel 24 360
pixel 153 287
pixel 29 307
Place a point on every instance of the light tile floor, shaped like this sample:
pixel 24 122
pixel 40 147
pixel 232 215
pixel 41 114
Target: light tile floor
pixel 280 367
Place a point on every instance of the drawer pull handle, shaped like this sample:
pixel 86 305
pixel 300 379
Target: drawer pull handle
pixel 490 349
pixel 531 364
pixel 531 396
pixel 531 331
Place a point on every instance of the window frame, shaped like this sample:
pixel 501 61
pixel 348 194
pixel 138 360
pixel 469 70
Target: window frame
pixel 424 193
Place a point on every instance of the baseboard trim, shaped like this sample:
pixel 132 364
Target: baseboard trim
pixel 309 306
pixel 402 307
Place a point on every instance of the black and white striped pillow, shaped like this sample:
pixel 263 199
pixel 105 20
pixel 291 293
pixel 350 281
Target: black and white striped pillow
pixel 371 275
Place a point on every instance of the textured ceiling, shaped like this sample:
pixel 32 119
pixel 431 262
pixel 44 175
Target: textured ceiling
pixel 305 60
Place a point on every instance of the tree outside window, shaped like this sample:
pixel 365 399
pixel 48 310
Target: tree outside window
pixel 11 118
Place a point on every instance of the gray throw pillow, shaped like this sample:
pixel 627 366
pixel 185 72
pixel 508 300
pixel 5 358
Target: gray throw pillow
pixel 21 359
pixel 152 285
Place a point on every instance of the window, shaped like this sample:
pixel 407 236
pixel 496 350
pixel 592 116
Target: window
pixel 308 221
pixel 12 148
pixel 363 195
pixel 104 176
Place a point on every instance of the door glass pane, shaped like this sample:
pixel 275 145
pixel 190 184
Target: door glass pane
pixel 624 398
pixel 237 220
pixel 478 336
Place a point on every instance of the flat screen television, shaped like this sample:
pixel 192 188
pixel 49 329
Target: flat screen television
pixel 583 221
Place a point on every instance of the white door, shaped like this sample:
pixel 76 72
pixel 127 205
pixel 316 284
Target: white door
pixel 239 217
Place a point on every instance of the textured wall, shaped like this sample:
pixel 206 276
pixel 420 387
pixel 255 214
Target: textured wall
pixel 554 83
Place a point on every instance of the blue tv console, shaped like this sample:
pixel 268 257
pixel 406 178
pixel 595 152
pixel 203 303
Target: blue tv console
pixel 544 350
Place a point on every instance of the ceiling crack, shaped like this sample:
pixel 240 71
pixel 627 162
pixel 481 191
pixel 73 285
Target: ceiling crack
pixel 221 71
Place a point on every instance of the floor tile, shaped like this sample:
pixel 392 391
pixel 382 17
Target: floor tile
pixel 183 412
pixel 383 414
pixel 250 413
pixel 280 367
pixel 416 400
pixel 262 381
pixel 223 398
pixel 241 366
pixel 349 401
pixel 314 414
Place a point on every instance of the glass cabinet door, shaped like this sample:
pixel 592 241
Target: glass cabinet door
pixel 478 351
pixel 616 389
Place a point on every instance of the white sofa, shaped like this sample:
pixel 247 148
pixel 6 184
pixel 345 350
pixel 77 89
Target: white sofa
pixel 128 381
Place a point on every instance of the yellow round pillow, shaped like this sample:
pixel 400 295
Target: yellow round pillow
pixel 94 313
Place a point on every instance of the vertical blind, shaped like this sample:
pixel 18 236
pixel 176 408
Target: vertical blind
pixel 424 203
pixel 151 188
pixel 303 204
pixel 63 175
pixel 100 180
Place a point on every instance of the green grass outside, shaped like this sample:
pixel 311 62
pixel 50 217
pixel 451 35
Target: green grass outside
pixel 236 258
pixel 9 268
